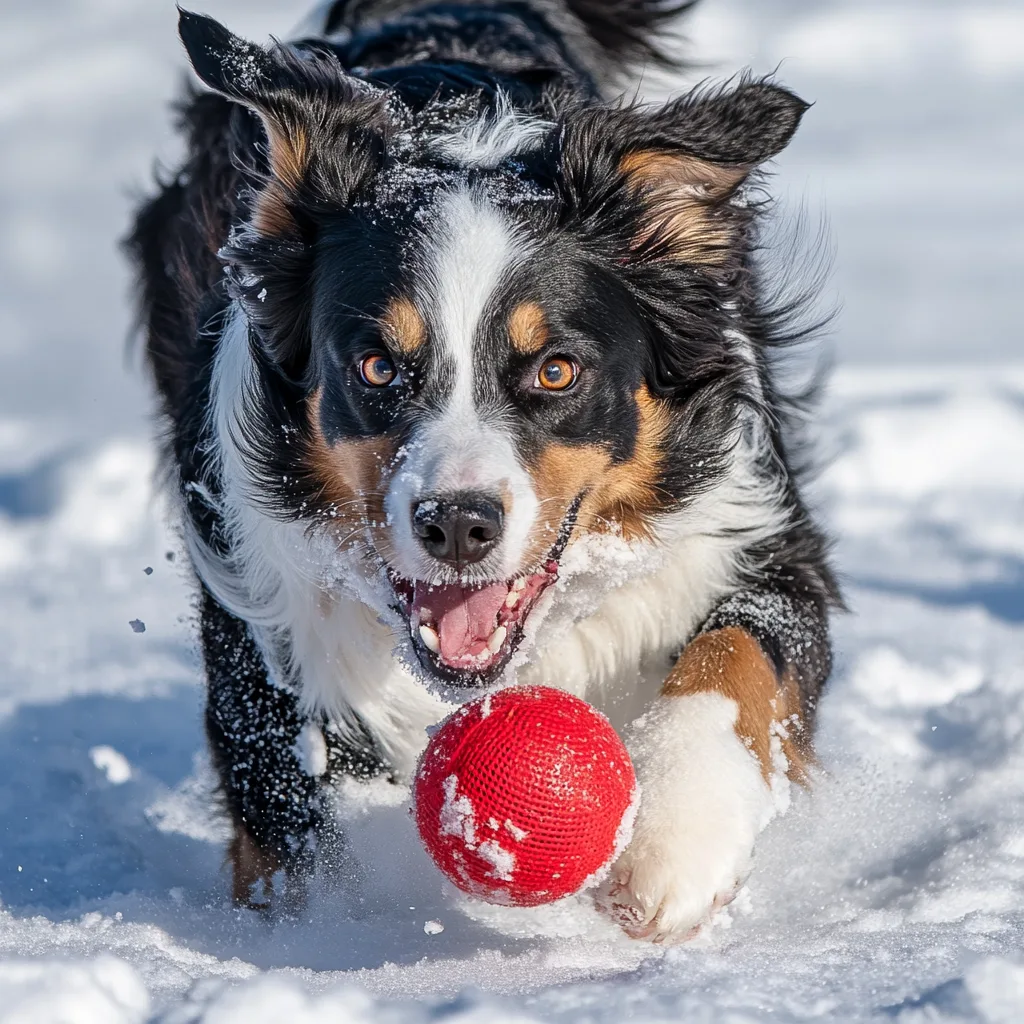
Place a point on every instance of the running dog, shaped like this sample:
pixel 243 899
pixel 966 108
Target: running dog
pixel 468 376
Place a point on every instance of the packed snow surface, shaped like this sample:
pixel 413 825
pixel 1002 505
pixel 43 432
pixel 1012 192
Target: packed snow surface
pixel 895 891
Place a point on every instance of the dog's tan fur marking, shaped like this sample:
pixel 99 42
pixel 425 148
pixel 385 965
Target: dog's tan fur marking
pixel 271 216
pixel 559 474
pixel 289 160
pixel 403 325
pixel 628 494
pixel 250 865
pixel 289 152
pixel 622 497
pixel 528 328
pixel 352 477
pixel 682 194
pixel 730 662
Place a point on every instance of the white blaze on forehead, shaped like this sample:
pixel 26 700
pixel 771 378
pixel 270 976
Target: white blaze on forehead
pixel 472 247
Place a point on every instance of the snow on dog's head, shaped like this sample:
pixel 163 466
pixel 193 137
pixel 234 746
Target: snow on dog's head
pixel 476 336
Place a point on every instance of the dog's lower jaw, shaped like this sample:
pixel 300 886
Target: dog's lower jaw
pixel 704 800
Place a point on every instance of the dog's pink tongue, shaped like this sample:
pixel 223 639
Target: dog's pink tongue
pixel 465 616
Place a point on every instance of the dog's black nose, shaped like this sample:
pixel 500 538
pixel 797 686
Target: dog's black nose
pixel 459 528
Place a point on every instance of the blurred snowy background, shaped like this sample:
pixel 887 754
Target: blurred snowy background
pixel 896 893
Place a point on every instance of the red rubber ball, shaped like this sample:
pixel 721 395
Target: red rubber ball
pixel 524 795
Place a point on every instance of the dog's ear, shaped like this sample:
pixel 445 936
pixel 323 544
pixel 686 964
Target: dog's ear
pixel 326 130
pixel 667 177
pixel 226 63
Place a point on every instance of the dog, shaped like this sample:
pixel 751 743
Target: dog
pixel 468 372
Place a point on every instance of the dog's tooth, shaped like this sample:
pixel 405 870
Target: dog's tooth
pixel 512 600
pixel 497 639
pixel 430 639
pixel 519 585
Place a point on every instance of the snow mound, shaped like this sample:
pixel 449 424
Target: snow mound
pixel 100 991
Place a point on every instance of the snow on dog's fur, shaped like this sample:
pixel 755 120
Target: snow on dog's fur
pixel 468 382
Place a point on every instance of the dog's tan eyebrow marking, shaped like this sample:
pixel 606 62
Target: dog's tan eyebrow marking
pixel 528 328
pixel 404 326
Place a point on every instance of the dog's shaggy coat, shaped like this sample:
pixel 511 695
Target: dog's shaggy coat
pixel 467 373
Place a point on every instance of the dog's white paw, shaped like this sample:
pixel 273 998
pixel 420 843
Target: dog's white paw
pixel 669 882
pixel 703 802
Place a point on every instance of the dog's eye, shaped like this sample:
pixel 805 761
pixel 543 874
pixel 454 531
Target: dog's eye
pixel 558 374
pixel 378 371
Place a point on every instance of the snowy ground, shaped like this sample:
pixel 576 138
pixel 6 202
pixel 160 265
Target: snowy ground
pixel 896 892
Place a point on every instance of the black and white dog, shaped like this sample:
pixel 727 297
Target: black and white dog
pixel 467 372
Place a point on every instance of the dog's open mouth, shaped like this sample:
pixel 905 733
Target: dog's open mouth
pixel 467 633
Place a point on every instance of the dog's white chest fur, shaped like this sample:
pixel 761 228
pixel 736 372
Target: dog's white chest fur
pixel 610 634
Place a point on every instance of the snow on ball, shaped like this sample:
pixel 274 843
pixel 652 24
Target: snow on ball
pixel 525 796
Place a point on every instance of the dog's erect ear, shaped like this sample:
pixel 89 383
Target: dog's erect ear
pixel 226 63
pixel 667 175
pixel 326 130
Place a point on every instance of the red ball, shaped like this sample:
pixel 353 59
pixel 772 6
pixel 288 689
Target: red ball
pixel 524 795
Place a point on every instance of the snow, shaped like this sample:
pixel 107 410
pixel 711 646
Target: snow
pixel 104 990
pixel 112 763
pixel 893 892
pixel 311 750
pixel 502 861
pixel 457 815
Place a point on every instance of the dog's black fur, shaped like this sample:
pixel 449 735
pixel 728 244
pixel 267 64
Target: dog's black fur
pixel 368 93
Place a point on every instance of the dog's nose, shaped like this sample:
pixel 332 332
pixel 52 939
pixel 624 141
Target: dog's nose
pixel 459 528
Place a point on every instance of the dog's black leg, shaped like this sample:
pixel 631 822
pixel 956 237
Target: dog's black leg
pixel 253 727
pixel 279 812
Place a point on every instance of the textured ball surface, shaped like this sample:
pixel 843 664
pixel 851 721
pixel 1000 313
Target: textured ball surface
pixel 524 795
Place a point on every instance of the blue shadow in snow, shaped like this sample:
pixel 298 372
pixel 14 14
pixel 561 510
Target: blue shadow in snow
pixel 69 834
pixel 1002 599
pixel 71 841
pixel 35 492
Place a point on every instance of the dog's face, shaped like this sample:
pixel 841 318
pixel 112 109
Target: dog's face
pixel 485 335
pixel 483 406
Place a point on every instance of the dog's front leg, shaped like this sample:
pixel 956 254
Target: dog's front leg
pixel 253 727
pixel 714 755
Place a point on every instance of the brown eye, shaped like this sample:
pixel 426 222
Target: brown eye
pixel 558 374
pixel 377 371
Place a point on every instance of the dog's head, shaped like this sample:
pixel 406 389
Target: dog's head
pixel 484 334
